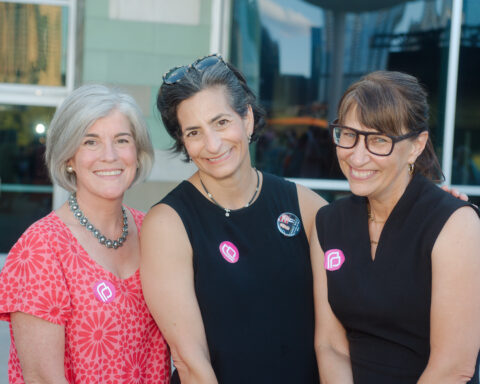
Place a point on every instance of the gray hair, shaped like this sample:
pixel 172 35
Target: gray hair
pixel 72 119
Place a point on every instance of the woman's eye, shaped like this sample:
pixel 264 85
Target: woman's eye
pixel 222 122
pixel 89 142
pixel 123 141
pixel 349 134
pixel 191 133
pixel 379 139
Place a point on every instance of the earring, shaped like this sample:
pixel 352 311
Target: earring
pixel 411 168
pixel 69 169
pixel 249 139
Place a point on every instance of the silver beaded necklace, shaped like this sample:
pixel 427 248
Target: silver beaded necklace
pixel 72 202
pixel 227 210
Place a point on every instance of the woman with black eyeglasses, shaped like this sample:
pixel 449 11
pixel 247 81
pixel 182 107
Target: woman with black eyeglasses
pixel 225 262
pixel 396 265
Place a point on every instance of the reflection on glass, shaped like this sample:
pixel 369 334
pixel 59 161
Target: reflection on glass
pixel 17 212
pixel 466 152
pixel 33 44
pixel 25 189
pixel 21 147
pixel 300 56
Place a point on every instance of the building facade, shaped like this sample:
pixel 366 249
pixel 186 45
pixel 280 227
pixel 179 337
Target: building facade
pixel 298 55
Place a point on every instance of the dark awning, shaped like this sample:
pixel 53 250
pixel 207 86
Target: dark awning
pixel 355 6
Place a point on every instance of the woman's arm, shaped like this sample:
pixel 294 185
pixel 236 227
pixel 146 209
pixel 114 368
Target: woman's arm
pixel 455 308
pixel 331 344
pixel 40 347
pixel 167 280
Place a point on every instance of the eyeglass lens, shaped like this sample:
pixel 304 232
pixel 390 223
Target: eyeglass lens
pixel 175 75
pixel 206 62
pixel 377 144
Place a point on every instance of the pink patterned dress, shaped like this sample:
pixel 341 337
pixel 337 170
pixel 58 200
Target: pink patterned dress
pixel 110 336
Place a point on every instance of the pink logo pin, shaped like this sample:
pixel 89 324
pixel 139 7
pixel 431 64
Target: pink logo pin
pixel 334 258
pixel 104 291
pixel 229 251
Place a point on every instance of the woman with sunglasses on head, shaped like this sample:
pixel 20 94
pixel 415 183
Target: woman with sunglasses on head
pixel 396 265
pixel 71 284
pixel 225 257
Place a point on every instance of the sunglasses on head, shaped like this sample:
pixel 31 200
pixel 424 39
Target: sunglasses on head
pixel 176 74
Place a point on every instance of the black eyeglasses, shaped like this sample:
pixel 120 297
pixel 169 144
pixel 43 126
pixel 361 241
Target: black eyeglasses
pixel 176 74
pixel 379 144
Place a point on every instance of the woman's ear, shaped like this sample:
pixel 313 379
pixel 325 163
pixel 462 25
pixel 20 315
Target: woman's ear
pixel 418 146
pixel 249 121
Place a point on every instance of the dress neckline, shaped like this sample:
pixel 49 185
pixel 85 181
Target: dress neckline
pixel 218 208
pixel 400 206
pixel 91 261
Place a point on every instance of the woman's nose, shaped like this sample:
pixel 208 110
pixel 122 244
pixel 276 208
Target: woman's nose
pixel 213 141
pixel 360 153
pixel 109 151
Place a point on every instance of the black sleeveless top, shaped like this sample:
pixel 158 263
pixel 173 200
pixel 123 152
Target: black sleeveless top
pixel 384 304
pixel 253 284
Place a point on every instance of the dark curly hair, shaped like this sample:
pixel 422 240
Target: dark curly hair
pixel 221 74
pixel 392 102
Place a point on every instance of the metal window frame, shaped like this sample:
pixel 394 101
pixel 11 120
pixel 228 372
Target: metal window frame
pixel 52 96
pixel 220 27
pixel 49 96
pixel 451 99
pixel 220 31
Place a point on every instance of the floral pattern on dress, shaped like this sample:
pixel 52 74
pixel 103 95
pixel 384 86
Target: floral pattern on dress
pixel 28 256
pixel 48 274
pixel 49 306
pixel 97 336
pixel 134 372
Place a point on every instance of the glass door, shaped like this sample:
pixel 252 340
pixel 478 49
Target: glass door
pixel 301 55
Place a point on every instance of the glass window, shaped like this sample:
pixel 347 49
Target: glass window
pixel 25 189
pixel 300 56
pixel 18 211
pixel 33 44
pixel 466 152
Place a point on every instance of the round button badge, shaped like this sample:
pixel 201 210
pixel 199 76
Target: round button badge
pixel 334 258
pixel 288 224
pixel 104 291
pixel 229 251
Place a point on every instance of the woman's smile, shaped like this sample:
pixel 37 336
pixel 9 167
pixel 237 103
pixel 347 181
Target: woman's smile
pixel 360 174
pixel 105 172
pixel 225 155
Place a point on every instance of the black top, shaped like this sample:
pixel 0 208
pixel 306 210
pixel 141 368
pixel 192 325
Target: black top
pixel 384 304
pixel 253 284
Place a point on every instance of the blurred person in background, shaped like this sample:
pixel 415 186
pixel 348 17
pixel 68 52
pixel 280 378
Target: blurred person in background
pixel 397 264
pixel 71 284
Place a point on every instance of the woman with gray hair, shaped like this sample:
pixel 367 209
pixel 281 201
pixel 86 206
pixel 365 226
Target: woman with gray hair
pixel 71 283
pixel 225 256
